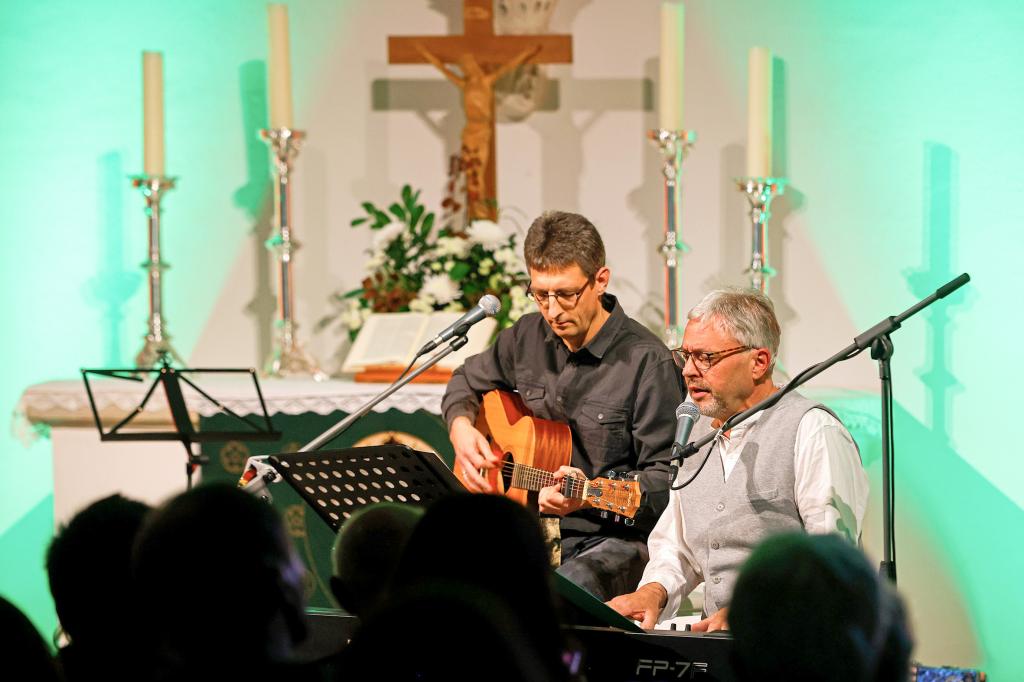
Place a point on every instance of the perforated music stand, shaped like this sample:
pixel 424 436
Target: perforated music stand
pixel 336 483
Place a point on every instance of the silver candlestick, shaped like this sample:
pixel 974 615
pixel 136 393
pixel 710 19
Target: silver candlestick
pixel 673 145
pixel 759 192
pixel 157 347
pixel 288 358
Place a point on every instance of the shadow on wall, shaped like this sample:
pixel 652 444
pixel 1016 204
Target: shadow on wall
pixel 256 198
pixel 114 284
pixel 647 202
pixel 940 194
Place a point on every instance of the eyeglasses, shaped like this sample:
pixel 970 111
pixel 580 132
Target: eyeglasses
pixel 702 360
pixel 567 300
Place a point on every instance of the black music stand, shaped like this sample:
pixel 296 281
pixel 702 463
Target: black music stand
pixel 170 379
pixel 336 483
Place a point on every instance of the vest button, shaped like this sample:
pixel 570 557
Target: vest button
pixel 716 579
pixel 720 506
pixel 715 545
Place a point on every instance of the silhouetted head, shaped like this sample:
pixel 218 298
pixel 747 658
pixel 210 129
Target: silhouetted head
pixel 221 583
pixel 88 565
pixel 490 543
pixel 811 607
pixel 367 552
pixel 23 653
pixel 462 632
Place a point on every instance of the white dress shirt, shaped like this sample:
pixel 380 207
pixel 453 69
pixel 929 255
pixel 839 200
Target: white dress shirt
pixel 831 493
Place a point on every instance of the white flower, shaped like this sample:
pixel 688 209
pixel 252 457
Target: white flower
pixel 521 304
pixel 440 289
pixel 453 246
pixel 376 261
pixel 352 316
pixel 387 234
pixel 487 234
pixel 419 305
pixel 508 259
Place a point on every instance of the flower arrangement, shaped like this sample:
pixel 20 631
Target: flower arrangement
pixel 412 267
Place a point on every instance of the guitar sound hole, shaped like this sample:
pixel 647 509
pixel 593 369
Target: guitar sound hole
pixel 506 471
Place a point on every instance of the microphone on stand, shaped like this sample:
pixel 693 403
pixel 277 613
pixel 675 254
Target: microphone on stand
pixel 488 306
pixel 687 415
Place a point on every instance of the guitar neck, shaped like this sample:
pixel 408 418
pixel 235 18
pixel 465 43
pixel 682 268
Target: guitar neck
pixel 532 478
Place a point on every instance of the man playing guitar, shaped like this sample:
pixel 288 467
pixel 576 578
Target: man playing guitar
pixel 582 361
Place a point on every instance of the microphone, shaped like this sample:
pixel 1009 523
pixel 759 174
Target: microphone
pixel 687 415
pixel 488 306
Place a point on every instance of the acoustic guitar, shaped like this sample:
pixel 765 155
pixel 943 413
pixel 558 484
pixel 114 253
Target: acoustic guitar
pixel 531 449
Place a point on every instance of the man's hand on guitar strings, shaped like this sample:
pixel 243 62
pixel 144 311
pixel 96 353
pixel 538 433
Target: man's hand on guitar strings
pixel 550 500
pixel 472 453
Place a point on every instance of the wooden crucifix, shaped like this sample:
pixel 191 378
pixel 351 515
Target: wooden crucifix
pixel 482 57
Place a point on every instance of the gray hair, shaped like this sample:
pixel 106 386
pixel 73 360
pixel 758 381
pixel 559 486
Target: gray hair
pixel 745 314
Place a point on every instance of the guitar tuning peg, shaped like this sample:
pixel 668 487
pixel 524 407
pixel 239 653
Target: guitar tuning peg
pixel 636 476
pixel 630 522
pixel 612 475
pixel 604 515
pixel 617 518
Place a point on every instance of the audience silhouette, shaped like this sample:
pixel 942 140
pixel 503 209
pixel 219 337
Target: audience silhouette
pixel 222 587
pixel 23 651
pixel 367 552
pixel 89 568
pixel 811 607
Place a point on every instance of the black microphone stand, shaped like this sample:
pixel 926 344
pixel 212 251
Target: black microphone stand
pixel 878 339
pixel 330 434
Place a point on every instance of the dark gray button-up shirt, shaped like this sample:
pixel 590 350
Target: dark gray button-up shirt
pixel 618 395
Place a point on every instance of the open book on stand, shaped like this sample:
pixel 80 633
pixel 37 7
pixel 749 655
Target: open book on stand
pixel 388 342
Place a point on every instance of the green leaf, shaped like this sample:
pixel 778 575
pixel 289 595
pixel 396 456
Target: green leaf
pixel 406 194
pixel 356 222
pixel 382 218
pixel 369 208
pixel 459 272
pixel 428 223
pixel 399 212
pixel 414 216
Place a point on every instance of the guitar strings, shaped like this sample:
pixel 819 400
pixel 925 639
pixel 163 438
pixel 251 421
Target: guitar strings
pixel 537 476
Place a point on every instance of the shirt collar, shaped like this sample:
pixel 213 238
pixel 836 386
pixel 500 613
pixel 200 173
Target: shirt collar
pixel 598 345
pixel 741 429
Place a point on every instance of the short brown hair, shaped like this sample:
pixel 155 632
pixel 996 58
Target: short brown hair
pixel 559 240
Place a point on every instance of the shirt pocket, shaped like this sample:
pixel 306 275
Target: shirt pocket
pixel 533 395
pixel 604 428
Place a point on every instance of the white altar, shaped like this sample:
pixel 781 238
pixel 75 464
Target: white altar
pixel 86 468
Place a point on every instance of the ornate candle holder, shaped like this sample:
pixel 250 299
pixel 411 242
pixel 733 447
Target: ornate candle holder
pixel 759 192
pixel 288 358
pixel 673 145
pixel 158 346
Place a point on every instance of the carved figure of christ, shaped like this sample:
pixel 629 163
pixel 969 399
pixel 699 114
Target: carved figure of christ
pixel 477 85
pixel 482 58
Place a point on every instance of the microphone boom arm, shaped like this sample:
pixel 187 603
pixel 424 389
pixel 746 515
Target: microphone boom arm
pixel 330 434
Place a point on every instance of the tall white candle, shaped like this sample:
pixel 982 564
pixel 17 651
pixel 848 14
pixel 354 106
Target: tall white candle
pixel 280 71
pixel 670 72
pixel 153 113
pixel 759 113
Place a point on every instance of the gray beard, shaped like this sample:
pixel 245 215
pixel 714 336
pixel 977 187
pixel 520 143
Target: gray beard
pixel 713 408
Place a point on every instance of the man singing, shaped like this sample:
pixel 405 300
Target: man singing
pixel 792 466
pixel 581 361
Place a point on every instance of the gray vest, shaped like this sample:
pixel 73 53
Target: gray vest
pixel 726 519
